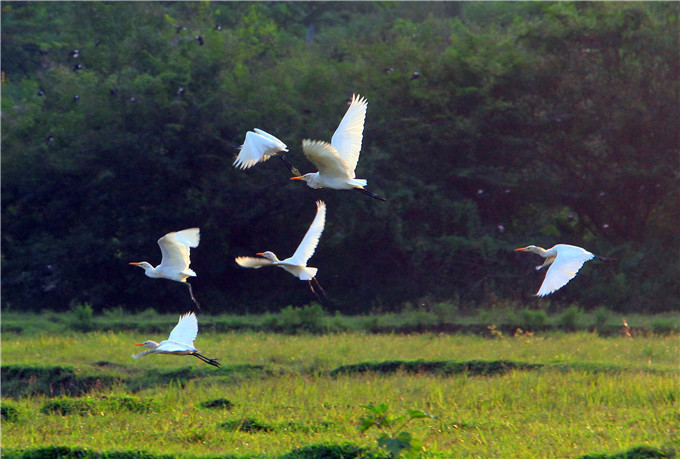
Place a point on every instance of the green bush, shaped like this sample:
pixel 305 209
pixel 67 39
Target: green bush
pixel 532 319
pixel 601 316
pixel 331 451
pixel 68 406
pixel 665 326
pixel 249 425
pixel 9 412
pixel 570 317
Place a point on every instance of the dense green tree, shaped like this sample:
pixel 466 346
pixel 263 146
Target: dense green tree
pixel 490 125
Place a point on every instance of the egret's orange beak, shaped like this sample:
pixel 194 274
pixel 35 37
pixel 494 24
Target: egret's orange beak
pixel 133 263
pixel 299 177
pixel 521 249
pixel 260 253
pixel 139 344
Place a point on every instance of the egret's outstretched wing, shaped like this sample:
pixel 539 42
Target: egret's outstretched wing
pixel 175 248
pixel 252 262
pixel 186 329
pixel 568 261
pixel 326 159
pixel 349 134
pixel 258 146
pixel 306 248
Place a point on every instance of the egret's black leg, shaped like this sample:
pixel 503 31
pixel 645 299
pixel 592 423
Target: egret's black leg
pixel 290 167
pixel 371 194
pixel 191 292
pixel 212 362
pixel 320 287
pixel 311 287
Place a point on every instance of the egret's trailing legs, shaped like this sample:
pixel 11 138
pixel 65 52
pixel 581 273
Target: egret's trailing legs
pixel 293 170
pixel 212 362
pixel 191 292
pixel 311 286
pixel 371 194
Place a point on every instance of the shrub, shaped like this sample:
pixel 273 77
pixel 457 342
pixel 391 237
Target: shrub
pixel 664 326
pixel 601 315
pixel 330 451
pixel 532 318
pixel 8 412
pixel 67 406
pixel 570 317
pixel 309 318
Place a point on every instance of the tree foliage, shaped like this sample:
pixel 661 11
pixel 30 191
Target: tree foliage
pixel 525 123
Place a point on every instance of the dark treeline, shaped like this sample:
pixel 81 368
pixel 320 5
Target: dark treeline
pixel 490 126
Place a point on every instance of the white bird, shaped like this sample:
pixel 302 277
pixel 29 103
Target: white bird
pixel 563 262
pixel 337 160
pixel 258 147
pixel 180 341
pixel 297 264
pixel 174 265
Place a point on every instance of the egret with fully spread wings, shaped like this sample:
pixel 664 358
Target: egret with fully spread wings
pixel 297 264
pixel 563 262
pixel 180 341
pixel 337 160
pixel 174 265
pixel 258 147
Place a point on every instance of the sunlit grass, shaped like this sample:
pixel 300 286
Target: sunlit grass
pixel 561 409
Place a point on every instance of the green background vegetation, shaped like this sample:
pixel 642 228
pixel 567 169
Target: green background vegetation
pixel 530 123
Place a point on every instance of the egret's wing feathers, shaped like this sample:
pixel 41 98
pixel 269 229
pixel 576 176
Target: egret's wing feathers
pixel 349 134
pixel 326 159
pixel 175 249
pixel 186 329
pixel 253 262
pixel 308 245
pixel 257 147
pixel 567 263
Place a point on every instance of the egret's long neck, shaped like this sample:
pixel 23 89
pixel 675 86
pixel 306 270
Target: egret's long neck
pixel 152 345
pixel 540 251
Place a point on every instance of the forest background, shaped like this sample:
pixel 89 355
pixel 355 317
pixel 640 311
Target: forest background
pixel 490 126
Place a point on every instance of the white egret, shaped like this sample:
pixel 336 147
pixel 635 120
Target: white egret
pixel 258 147
pixel 337 160
pixel 297 264
pixel 563 262
pixel 180 341
pixel 175 262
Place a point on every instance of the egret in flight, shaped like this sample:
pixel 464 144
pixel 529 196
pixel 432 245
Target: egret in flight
pixel 337 160
pixel 258 147
pixel 563 262
pixel 175 262
pixel 180 341
pixel 297 264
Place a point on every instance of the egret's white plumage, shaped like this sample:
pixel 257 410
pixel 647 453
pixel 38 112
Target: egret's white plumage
pixel 296 264
pixel 258 147
pixel 563 262
pixel 337 160
pixel 175 261
pixel 180 341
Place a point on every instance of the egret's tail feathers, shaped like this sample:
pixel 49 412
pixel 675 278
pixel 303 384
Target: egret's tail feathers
pixel 252 262
pixel 308 273
pixel 371 194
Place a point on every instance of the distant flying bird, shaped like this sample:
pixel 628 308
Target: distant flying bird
pixel 180 341
pixel 563 262
pixel 297 264
pixel 337 160
pixel 258 147
pixel 175 262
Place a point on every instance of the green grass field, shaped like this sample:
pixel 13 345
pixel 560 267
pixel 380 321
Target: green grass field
pixel 553 395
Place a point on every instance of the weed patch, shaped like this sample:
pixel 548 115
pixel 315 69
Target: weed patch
pixel 640 452
pixel 331 451
pixel 249 425
pixel 9 413
pixel 68 452
pixel 443 367
pixel 221 403
pixel 20 381
pixel 67 406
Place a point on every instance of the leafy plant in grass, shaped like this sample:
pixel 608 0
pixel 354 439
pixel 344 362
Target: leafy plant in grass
pixel 246 425
pixel 222 403
pixel 601 315
pixel 8 412
pixel 394 439
pixel 82 320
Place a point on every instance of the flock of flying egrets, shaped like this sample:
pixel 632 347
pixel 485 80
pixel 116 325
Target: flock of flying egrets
pixel 335 162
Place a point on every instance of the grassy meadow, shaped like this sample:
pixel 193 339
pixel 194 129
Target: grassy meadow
pixel 549 394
